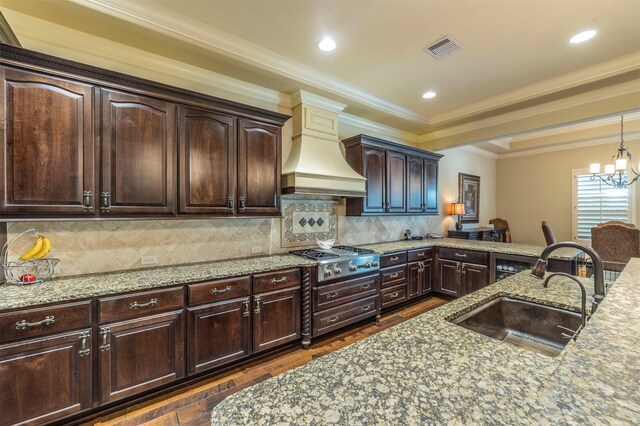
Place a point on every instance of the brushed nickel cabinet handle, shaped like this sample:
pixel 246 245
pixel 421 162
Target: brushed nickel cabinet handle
pixel 104 332
pixel 105 202
pixel 365 286
pixel 257 300
pixel 396 275
pixel 84 351
pixel 224 290
pixel 136 305
pixel 23 325
pixel 333 295
pixel 393 258
pixel 243 204
pixel 366 308
pixel 394 295
pixel 279 280
pixel 333 319
pixel 247 311
pixel 463 270
pixel 421 254
pixel 230 204
pixel 460 255
pixel 87 202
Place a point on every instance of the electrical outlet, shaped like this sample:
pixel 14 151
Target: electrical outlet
pixel 256 249
pixel 148 260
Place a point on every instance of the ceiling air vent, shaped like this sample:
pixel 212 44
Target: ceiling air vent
pixel 443 47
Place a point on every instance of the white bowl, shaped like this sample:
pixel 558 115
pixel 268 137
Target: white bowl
pixel 326 244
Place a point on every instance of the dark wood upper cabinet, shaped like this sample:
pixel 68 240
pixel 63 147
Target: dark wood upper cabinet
pixel 138 145
pixel 207 162
pixel 400 179
pixel 48 146
pixel 259 168
pixel 415 184
pixel 46 378
pixel 396 173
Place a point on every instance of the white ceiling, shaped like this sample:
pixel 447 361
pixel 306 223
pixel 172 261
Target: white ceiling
pixel 514 51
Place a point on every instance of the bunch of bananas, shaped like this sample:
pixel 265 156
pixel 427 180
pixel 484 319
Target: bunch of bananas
pixel 40 248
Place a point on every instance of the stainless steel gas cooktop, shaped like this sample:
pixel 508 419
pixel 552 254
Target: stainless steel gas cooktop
pixel 341 261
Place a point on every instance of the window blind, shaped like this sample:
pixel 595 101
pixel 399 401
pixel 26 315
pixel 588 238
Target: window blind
pixel 598 202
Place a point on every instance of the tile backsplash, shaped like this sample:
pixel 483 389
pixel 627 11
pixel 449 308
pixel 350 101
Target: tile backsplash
pixel 91 247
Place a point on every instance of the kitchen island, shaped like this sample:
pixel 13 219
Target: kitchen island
pixel 430 371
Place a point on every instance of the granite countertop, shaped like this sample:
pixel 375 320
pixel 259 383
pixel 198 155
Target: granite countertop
pixel 430 371
pixel 86 286
pixel 503 248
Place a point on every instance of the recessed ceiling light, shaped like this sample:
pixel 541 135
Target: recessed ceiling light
pixel 429 95
pixel 583 36
pixel 327 44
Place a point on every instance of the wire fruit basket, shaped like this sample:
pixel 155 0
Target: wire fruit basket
pixel 25 272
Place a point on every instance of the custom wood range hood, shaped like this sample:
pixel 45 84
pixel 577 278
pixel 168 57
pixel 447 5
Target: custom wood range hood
pixel 316 164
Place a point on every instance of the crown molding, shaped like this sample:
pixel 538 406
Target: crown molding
pixel 585 75
pixel 372 126
pixel 474 150
pixel 161 20
pixel 42 36
pixel 615 139
pixel 554 106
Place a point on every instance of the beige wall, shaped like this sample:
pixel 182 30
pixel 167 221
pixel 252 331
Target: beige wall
pixel 534 188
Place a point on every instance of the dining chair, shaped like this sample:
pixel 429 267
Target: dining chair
pixel 501 223
pixel 549 236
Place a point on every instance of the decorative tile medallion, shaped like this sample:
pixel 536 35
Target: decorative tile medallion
pixel 306 221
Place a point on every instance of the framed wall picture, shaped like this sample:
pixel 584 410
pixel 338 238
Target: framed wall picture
pixel 469 195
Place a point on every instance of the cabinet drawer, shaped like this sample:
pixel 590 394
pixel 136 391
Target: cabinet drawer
pixel 40 321
pixel 330 295
pixel 469 256
pixel 394 295
pixel 349 313
pixel 394 276
pixel 139 304
pixel 393 259
pixel 419 254
pixel 275 280
pixel 215 291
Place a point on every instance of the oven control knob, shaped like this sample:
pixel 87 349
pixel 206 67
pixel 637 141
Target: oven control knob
pixel 366 266
pixel 337 270
pixel 327 271
pixel 352 267
pixel 374 264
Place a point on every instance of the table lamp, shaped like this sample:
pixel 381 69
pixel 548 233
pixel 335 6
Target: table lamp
pixel 458 209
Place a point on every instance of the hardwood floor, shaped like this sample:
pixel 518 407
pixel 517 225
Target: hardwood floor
pixel 192 405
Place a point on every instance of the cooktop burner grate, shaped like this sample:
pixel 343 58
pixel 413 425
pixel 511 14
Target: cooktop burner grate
pixel 315 254
pixel 354 249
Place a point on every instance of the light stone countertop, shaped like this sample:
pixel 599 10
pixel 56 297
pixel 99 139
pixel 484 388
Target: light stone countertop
pixel 87 286
pixel 430 371
pixel 503 248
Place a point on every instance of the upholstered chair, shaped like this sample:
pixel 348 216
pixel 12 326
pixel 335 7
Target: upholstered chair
pixel 501 223
pixel 617 222
pixel 549 236
pixel 615 243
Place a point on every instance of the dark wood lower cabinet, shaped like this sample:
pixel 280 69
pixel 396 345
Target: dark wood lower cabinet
pixel 460 278
pixel 276 318
pixel 449 277
pixel 140 354
pixel 420 280
pixel 45 379
pixel 473 277
pixel 219 333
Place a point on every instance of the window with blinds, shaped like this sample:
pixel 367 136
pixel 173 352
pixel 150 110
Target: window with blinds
pixel 596 202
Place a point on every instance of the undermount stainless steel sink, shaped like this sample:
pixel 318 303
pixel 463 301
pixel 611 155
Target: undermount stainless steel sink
pixel 538 328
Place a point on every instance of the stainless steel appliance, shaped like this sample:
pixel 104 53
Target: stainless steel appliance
pixel 341 262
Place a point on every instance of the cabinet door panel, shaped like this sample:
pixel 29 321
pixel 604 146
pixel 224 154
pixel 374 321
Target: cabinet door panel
pixel 207 147
pixel 474 277
pixel 414 283
pixel 48 145
pixel 396 182
pixel 137 154
pixel 374 170
pixel 276 318
pixel 449 277
pixel 218 334
pixel 427 277
pixel 259 168
pixel 45 379
pixel 415 184
pixel 431 186
pixel 141 354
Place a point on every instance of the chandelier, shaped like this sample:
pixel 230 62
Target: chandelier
pixel 615 174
